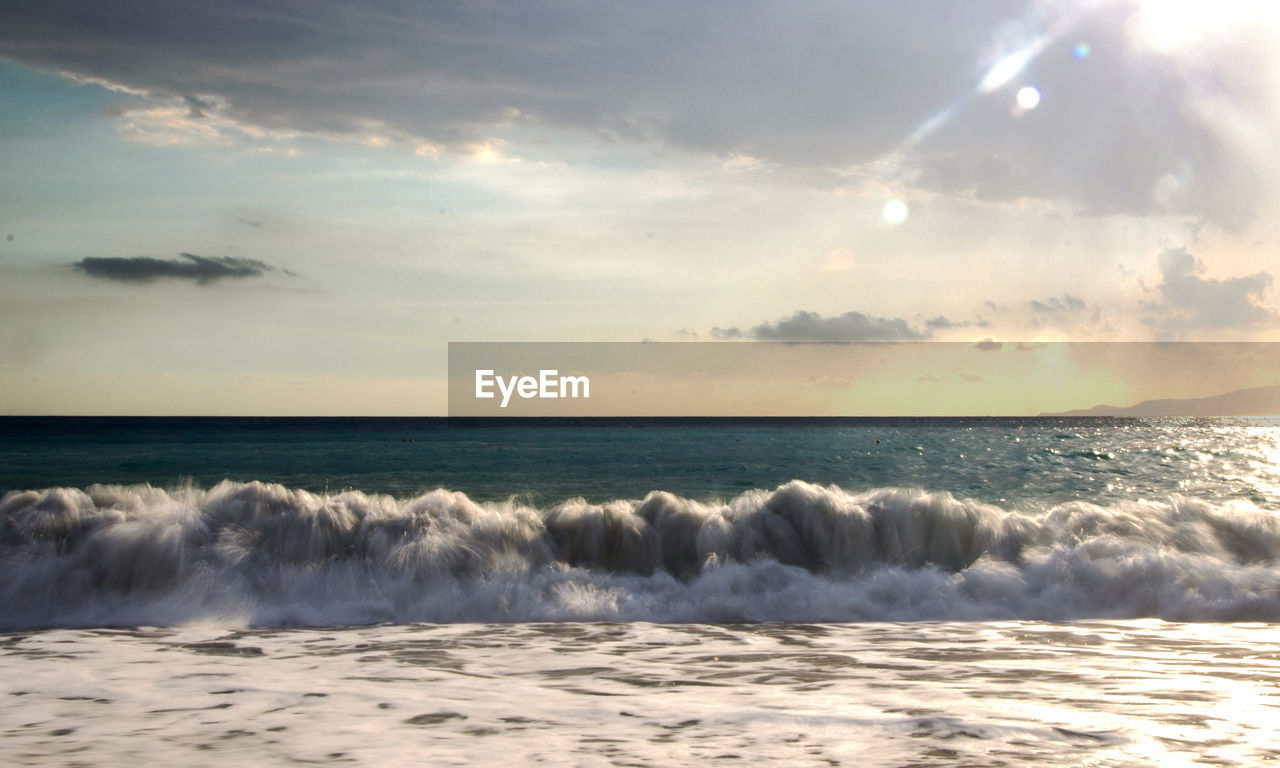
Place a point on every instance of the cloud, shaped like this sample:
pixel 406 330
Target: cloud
pixel 810 326
pixel 1192 301
pixel 943 323
pixel 1055 305
pixel 987 345
pixel 1148 131
pixel 144 269
pixel 1134 128
pixel 1063 311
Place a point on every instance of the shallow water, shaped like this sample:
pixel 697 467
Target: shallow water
pixel 998 693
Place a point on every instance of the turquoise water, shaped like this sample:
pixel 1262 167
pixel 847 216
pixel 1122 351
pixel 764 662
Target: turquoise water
pixel 1019 462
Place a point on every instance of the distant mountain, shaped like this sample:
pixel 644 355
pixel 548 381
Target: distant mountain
pixel 1259 401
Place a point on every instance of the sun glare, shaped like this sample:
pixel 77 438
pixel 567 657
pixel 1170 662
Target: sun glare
pixel 1171 25
pixel 895 212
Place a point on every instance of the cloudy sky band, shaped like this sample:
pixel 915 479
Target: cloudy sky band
pixel 327 195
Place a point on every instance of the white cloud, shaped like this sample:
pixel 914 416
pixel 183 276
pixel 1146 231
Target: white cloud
pixel 1191 301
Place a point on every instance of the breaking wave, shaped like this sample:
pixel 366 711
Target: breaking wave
pixel 267 555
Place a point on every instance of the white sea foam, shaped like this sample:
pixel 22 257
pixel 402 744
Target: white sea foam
pixel 266 555
pixel 1115 693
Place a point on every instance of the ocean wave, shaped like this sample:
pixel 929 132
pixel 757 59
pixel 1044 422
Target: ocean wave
pixel 266 555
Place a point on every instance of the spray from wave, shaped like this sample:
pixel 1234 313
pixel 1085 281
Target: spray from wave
pixel 266 555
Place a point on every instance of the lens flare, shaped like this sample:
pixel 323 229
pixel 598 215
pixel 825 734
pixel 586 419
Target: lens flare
pixel 1006 69
pixel 1028 98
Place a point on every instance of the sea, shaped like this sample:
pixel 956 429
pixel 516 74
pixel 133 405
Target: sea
pixel 639 592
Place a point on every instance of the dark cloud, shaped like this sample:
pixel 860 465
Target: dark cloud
pixel 943 323
pixel 726 334
pixel 1192 301
pixel 1067 303
pixel 851 326
pixel 196 106
pixel 144 269
pixel 815 85
pixel 714 76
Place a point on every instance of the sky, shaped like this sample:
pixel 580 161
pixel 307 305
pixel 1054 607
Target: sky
pixel 291 208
